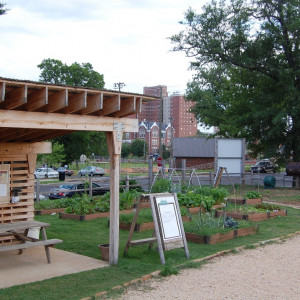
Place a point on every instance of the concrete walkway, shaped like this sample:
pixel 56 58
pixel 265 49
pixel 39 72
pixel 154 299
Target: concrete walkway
pixel 32 265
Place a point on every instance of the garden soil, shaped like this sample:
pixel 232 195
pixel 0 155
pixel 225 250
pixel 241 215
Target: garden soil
pixel 271 271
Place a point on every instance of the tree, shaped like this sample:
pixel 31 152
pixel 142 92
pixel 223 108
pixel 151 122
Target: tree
pixel 126 150
pixel 138 148
pixel 3 10
pixel 56 157
pixel 80 142
pixel 246 55
pixel 55 72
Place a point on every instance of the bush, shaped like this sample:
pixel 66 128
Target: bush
pixel 161 185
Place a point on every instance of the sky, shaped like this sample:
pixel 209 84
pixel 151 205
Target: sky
pixel 125 40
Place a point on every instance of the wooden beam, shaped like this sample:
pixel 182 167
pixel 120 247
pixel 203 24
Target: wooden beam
pixel 111 105
pixel 37 99
pixel 94 104
pixel 31 158
pixel 56 121
pixel 139 102
pixel 25 148
pixel 57 101
pixel 114 148
pixel 128 107
pixel 15 97
pixel 76 102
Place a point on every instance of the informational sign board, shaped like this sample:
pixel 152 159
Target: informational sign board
pixel 169 222
pixel 168 227
pixel 4 183
pixel 230 154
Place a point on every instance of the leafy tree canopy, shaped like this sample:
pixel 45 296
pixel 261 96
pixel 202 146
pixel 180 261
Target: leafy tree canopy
pixel 3 10
pixel 139 148
pixel 246 58
pixel 81 142
pixel 55 72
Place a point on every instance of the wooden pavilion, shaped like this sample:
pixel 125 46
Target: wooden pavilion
pixel 32 113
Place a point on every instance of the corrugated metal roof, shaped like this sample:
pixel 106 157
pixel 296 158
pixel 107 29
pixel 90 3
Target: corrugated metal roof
pixel 193 147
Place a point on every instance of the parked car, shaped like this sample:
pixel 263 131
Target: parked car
pixel 69 190
pixel 263 166
pixel 41 197
pixel 91 171
pixel 67 171
pixel 45 173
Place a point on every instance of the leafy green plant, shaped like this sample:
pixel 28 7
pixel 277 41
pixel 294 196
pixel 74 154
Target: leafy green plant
pixel 128 198
pixel 253 195
pixel 83 206
pixel 192 199
pixel 161 185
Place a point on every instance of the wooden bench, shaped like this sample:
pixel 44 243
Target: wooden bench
pixel 20 230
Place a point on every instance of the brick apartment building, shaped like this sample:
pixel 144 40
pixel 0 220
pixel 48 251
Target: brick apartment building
pixel 176 115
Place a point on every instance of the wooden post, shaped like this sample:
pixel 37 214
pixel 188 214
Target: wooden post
pixel 127 182
pixel 90 187
pixel 150 172
pixel 114 142
pixel 183 165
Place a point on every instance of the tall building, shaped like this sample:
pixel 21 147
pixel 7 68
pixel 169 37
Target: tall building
pixel 151 110
pixel 183 120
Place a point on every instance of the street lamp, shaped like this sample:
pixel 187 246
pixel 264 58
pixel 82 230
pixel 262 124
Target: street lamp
pixel 119 85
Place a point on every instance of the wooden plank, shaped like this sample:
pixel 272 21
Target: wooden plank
pixel 111 105
pixel 143 241
pixel 128 107
pixel 94 104
pixel 57 101
pixel 25 148
pixel 55 121
pixel 25 216
pixel 76 102
pixel 15 97
pixel 29 244
pixel 36 99
pixel 18 226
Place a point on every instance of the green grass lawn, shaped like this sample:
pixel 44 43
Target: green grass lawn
pixel 84 237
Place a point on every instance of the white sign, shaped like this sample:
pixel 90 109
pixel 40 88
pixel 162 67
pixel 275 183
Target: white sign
pixel 82 158
pixel 169 218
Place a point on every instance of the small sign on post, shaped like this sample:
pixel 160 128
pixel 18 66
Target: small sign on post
pixel 159 161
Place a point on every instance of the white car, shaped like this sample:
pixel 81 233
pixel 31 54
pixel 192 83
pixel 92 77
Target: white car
pixel 45 173
pixel 91 171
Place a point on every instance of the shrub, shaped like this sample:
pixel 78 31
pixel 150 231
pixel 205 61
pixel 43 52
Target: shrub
pixel 252 195
pixel 161 185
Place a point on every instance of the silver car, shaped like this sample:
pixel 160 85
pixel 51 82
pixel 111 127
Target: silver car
pixel 91 171
pixel 45 173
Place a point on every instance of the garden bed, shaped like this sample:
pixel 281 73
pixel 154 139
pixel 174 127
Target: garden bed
pixel 67 216
pixel 40 212
pixel 245 201
pixel 252 216
pixel 220 237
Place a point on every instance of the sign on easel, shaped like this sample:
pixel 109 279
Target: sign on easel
pixel 168 227
pixel 169 222
pixel 4 183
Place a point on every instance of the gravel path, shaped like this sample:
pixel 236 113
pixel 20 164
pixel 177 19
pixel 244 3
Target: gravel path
pixel 267 272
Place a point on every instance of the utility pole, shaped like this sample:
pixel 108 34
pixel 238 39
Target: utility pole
pixel 119 85
pixel 160 146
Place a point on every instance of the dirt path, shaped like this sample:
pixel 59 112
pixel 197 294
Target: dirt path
pixel 267 272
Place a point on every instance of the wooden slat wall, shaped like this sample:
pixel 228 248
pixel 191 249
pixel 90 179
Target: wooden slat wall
pixel 21 179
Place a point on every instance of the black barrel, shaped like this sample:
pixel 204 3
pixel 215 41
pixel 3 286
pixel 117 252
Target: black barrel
pixel 293 169
pixel 61 175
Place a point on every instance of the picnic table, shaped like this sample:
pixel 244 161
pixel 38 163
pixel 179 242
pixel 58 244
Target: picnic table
pixel 20 232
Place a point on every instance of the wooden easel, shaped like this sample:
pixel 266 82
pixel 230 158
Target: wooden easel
pixel 157 235
pixel 219 176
